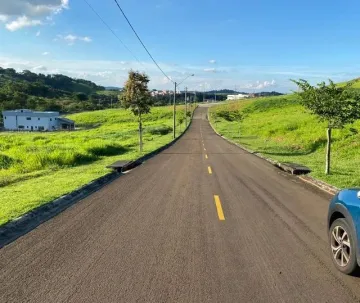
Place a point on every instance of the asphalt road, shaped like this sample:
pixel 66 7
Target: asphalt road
pixel 203 221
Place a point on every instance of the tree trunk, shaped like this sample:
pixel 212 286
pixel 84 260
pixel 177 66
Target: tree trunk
pixel 140 134
pixel 328 151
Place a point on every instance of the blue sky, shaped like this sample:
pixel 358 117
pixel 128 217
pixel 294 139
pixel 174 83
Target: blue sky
pixel 255 45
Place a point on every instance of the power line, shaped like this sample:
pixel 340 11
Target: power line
pixel 152 58
pixel 113 32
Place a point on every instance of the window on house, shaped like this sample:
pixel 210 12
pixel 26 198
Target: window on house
pixel 50 119
pixel 28 118
pixel 39 119
pixel 27 126
pixel 5 118
pixel 21 126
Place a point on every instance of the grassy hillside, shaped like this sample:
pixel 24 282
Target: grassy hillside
pixel 356 84
pixel 113 93
pixel 281 129
pixel 38 167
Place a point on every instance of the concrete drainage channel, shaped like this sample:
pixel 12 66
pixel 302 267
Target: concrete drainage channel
pixel 24 224
pixel 295 169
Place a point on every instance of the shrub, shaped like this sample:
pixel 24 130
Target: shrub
pixel 6 161
pixel 107 150
pixel 229 115
pixel 161 130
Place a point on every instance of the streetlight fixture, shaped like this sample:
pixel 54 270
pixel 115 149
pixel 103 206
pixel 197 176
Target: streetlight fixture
pixel 174 106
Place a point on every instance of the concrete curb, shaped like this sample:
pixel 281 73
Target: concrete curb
pixel 14 229
pixel 328 188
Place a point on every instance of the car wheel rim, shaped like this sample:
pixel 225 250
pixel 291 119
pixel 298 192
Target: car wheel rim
pixel 340 246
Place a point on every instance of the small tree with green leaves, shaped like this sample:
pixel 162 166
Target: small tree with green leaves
pixel 136 97
pixel 335 105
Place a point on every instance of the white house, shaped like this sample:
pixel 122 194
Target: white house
pixel 237 97
pixel 28 120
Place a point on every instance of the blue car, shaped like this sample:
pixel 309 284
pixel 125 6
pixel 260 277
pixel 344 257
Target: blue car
pixel 344 230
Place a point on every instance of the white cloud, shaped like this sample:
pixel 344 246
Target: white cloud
pixel 210 70
pixel 3 18
pixel 40 68
pixel 25 13
pixel 114 73
pixel 212 61
pixel 45 53
pixel 71 39
pixel 259 85
pixel 21 22
pixel 103 72
pixel 38 33
pixel 85 39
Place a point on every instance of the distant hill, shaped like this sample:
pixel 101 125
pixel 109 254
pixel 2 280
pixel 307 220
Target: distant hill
pixel 225 91
pixel 50 92
pixel 233 92
pixel 46 85
pixel 113 88
pixel 267 94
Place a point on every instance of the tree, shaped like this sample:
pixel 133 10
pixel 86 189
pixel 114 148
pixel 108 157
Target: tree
pixel 81 97
pixel 137 98
pixel 335 105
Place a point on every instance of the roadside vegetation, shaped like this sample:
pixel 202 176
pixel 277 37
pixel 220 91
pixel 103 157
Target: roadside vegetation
pixel 282 129
pixel 36 168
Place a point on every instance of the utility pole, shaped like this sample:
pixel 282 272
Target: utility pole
pixel 174 112
pixel 185 107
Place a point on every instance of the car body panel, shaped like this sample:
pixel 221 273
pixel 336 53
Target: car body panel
pixel 347 202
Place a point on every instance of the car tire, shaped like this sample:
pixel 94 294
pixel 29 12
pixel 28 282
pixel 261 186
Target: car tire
pixel 342 246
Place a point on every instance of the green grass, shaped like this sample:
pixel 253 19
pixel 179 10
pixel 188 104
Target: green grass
pixel 108 92
pixel 36 168
pixel 281 129
pixel 356 84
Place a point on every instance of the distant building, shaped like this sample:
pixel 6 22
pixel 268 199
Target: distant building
pixel 237 97
pixel 28 120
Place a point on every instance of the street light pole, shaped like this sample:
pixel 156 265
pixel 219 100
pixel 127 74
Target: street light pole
pixel 174 112
pixel 174 108
pixel 185 108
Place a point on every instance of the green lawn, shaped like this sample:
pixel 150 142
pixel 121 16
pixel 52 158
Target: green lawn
pixel 281 129
pixel 36 168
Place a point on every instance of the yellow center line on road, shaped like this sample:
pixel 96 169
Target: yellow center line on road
pixel 209 170
pixel 219 208
pixel 206 157
pixel 204 148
